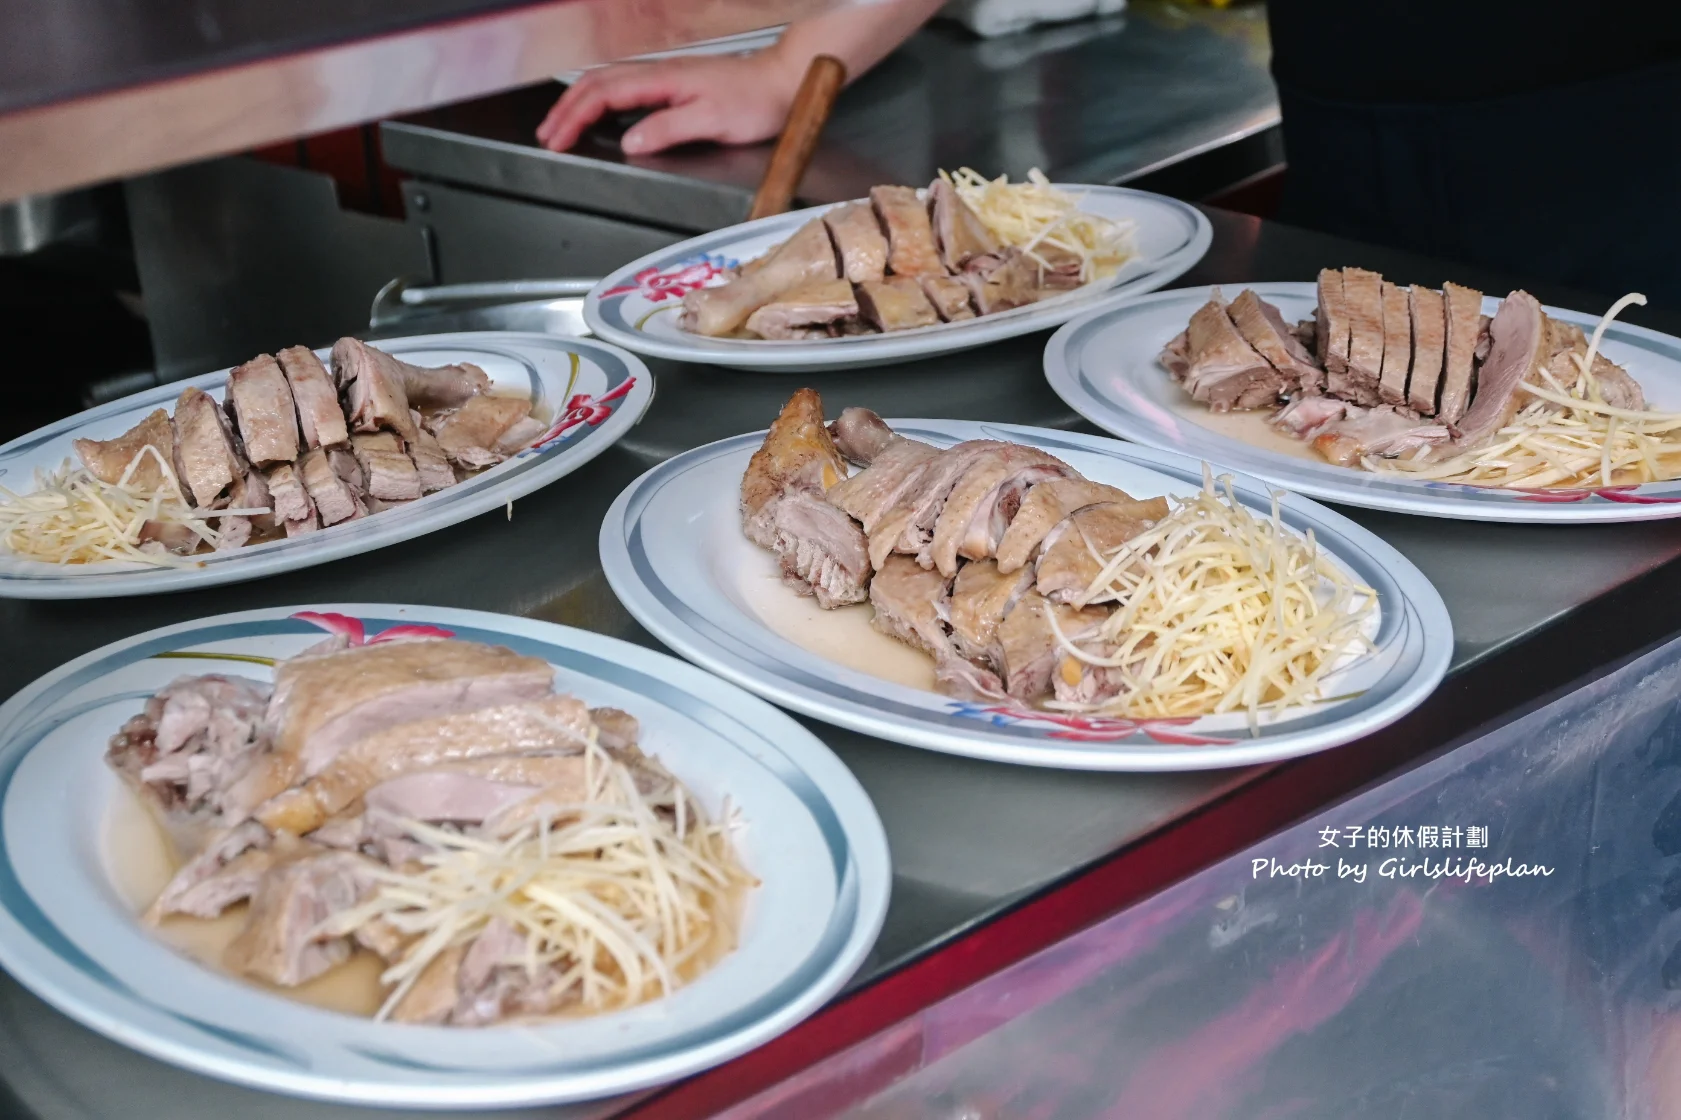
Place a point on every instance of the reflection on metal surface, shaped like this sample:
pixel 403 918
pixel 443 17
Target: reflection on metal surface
pixel 398 302
pixel 28 224
pixel 1492 934
pixel 279 90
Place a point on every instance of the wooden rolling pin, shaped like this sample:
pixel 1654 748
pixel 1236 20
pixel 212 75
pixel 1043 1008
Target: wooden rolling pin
pixel 806 118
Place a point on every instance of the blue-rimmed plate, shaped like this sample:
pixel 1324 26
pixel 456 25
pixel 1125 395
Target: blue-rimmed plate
pixel 1105 366
pixel 673 550
pixel 69 931
pixel 636 307
pixel 590 393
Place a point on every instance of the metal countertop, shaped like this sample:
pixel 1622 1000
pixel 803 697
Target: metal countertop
pixel 1097 101
pixel 969 839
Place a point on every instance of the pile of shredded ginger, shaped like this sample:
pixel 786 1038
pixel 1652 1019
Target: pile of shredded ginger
pixel 71 517
pixel 1028 215
pixel 621 897
pixel 1221 611
pixel 1564 438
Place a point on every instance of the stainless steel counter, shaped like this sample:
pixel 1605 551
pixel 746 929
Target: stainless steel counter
pixel 1098 101
pixel 969 839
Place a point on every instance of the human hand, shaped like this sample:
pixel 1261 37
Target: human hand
pixel 738 99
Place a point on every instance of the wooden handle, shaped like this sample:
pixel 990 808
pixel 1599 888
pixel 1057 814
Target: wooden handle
pixel 806 118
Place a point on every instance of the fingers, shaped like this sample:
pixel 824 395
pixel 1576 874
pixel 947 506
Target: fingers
pixel 680 124
pixel 613 88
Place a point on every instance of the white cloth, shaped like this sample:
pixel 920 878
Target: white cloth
pixel 992 18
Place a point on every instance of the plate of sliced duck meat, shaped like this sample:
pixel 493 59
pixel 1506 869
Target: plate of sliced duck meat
pixel 301 457
pixel 1355 389
pixel 904 273
pixel 433 858
pixel 1024 595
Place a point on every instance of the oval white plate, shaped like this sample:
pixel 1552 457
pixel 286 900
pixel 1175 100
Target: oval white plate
pixel 636 307
pixel 674 553
pixel 810 834
pixel 593 392
pixel 1104 365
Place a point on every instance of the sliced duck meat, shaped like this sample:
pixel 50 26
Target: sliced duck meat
pixel 1362 297
pixel 109 459
pixel 325 703
pixel 1056 269
pixel 980 598
pixel 910 234
pixel 984 501
pixel 909 603
pixel 469 434
pixel 372 383
pixel 958 230
pixel 348 467
pixel 494 982
pixel 1075 552
pixel 873 491
pixel 1397 345
pixel 429 460
pixel 909 525
pixel 1012 281
pixel 1343 432
pixel 252 492
pixel 522 435
pixel 804 257
pixel 1306 417
pixel 387 471
pixel 207 458
pixel 821 550
pixel 1519 354
pixel 859 240
pixel 1045 507
pixel 169 536
pixel 261 402
pixel 192 741
pixel 431 999
pixel 1026 652
pixel 616 729
pixel 1331 325
pixel 227 871
pixel 1569 348
pixel 1463 318
pixel 232 531
pixel 469 792
pixel 1429 326
pixel 334 500
pixel 282 942
pixel 798 454
pixel 803 312
pixel 861 435
pixel 1263 327
pixel 1217 367
pixel 291 501
pixel 949 295
pixel 448 386
pixel 320 419
pixel 896 303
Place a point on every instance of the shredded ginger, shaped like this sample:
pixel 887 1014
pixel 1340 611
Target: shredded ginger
pixel 1221 611
pixel 1563 438
pixel 1028 215
pixel 71 517
pixel 623 900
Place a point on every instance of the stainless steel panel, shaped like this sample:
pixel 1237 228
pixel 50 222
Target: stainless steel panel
pixel 238 256
pixel 478 237
pixel 1102 101
pixel 95 91
pixel 564 179
pixel 31 223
